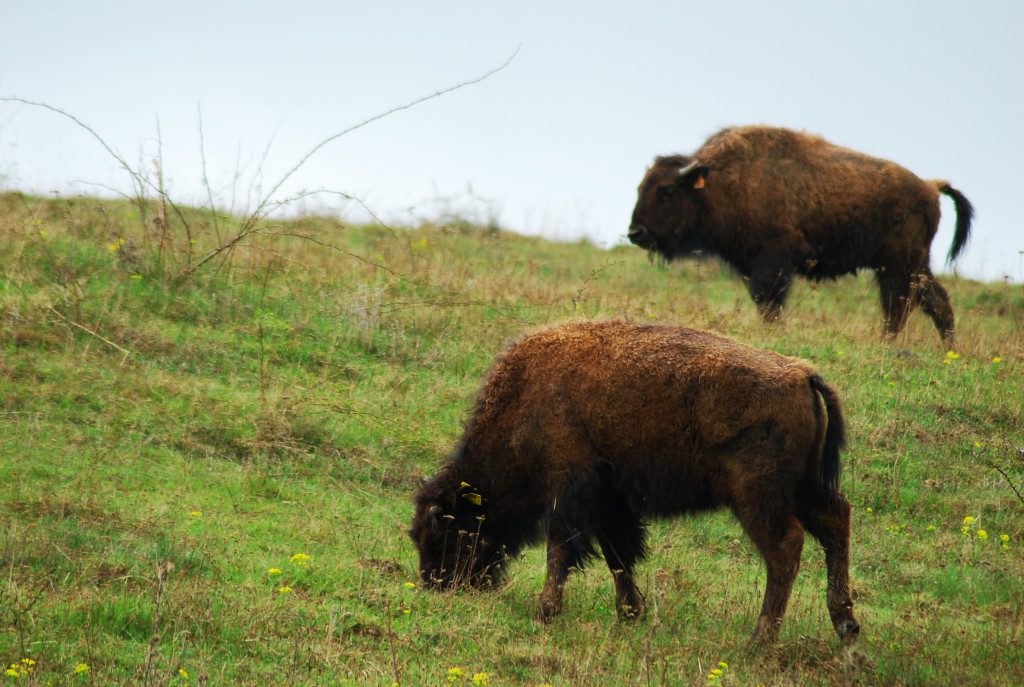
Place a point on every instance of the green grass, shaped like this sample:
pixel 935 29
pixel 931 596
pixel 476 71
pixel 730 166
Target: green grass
pixel 289 398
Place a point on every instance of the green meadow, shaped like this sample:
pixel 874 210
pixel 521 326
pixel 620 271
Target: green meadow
pixel 209 451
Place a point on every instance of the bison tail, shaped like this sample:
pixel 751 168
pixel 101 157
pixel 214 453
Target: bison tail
pixel 835 433
pixel 964 215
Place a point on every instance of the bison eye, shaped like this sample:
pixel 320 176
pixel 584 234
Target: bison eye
pixel 666 192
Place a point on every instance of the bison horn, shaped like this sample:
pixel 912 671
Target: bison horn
pixel 434 515
pixel 694 168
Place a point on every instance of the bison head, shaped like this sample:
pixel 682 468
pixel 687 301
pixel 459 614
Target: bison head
pixel 453 538
pixel 667 216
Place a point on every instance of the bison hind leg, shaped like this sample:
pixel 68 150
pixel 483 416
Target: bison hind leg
pixel 827 517
pixel 772 525
pixel 895 292
pixel 935 303
pixel 901 292
pixel 621 537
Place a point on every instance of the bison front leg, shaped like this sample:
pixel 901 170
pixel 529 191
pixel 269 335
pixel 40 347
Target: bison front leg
pixel 560 560
pixel 768 285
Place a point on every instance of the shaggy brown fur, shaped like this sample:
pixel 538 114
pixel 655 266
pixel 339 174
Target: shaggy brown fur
pixel 773 203
pixel 583 431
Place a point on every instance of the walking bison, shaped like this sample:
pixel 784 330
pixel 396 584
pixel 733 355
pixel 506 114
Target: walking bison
pixel 584 431
pixel 773 203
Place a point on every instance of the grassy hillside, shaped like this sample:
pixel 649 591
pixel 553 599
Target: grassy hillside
pixel 206 474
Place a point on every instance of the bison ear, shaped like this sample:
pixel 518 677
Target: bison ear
pixel 693 174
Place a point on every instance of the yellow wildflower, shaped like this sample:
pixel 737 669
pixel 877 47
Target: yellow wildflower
pixel 195 513
pixel 455 674
pixel 136 277
pixel 81 668
pixel 997 360
pixel 723 665
pixel 1004 538
pixel 979 444
pixel 982 535
pixel 409 585
pixel 300 559
pixel 284 590
pixel 406 611
pixel 931 528
pixel 183 673
pixel 274 571
pixel 481 679
pixel 952 355
pixel 20 670
pixel 969 520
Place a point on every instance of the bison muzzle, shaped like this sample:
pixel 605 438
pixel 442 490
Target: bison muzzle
pixel 774 203
pixel 582 432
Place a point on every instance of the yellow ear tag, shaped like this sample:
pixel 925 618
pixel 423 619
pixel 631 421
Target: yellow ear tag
pixel 475 499
pixel 700 181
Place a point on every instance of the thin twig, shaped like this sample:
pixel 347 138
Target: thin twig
pixel 346 196
pixel 162 572
pixel 257 178
pixel 1008 481
pixel 113 153
pixel 126 352
pixel 302 161
pixel 206 179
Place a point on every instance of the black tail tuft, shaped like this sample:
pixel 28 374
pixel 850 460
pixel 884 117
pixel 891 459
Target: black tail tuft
pixel 964 215
pixel 835 434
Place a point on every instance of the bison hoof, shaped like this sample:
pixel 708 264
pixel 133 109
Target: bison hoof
pixel 629 612
pixel 765 634
pixel 548 610
pixel 848 630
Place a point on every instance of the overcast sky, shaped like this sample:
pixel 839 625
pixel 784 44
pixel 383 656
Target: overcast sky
pixel 556 143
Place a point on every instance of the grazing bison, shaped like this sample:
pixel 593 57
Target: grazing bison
pixel 773 203
pixel 584 431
